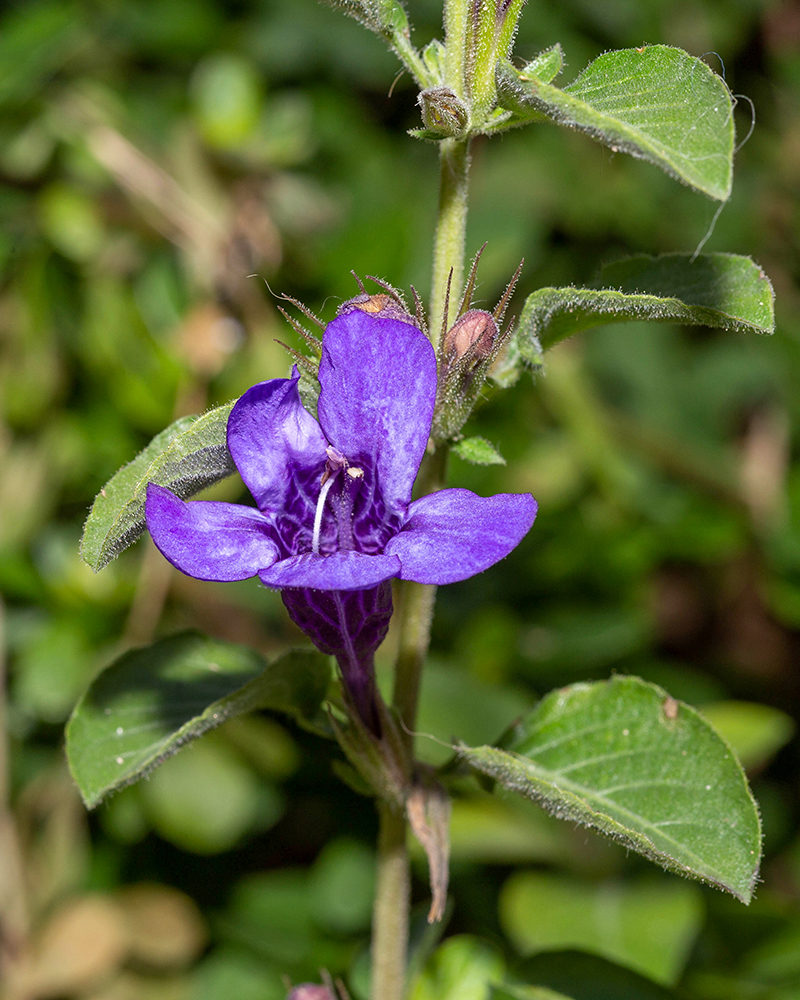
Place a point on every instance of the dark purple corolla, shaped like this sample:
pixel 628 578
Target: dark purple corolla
pixel 334 520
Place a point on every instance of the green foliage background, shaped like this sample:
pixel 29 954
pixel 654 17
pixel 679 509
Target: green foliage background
pixel 161 162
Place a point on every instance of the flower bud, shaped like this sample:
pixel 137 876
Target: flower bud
pixel 467 353
pixel 310 991
pixel 475 332
pixel 443 111
pixel 383 306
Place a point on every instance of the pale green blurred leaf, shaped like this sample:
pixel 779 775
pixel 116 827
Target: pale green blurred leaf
pixel 342 886
pixel 463 968
pixel 454 706
pixel 226 95
pixel 265 744
pixel 648 925
pixel 755 732
pixel 580 976
pixel 271 913
pixel 492 831
pixel 71 221
pixel 52 669
pixel 235 973
pixel 206 799
pixel 526 993
pixel 623 757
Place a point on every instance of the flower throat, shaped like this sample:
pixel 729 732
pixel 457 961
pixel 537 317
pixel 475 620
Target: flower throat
pixel 348 477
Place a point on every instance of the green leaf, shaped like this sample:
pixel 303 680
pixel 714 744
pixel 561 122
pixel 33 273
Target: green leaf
pixel 717 290
pixel 623 757
pixel 647 925
pixel 526 993
pixel 460 969
pixel 207 800
pixel 489 830
pixel 147 704
pixel 657 103
pixel 588 977
pixel 478 451
pixel 188 456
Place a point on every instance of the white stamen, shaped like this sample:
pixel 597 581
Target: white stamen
pixel 318 513
pixel 355 473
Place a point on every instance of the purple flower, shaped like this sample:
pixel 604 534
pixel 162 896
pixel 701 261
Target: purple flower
pixel 334 520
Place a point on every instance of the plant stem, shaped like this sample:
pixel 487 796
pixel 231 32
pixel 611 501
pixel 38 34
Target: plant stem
pixel 390 913
pixel 448 250
pixel 415 607
pixel 411 59
pixel 415 611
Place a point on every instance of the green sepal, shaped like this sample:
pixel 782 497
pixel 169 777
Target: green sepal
pixel 546 66
pixel 349 776
pixel 426 134
pixel 188 456
pixel 434 55
pixel 478 451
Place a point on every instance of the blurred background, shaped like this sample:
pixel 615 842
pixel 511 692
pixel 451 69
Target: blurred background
pixel 163 164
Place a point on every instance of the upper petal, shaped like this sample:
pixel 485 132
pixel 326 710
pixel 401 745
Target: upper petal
pixel 209 540
pixel 339 571
pixel 278 447
pixel 378 379
pixel 454 534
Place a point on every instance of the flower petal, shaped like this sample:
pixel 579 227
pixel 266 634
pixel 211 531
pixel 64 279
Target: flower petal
pixel 209 540
pixel 339 571
pixel 378 379
pixel 278 447
pixel 453 534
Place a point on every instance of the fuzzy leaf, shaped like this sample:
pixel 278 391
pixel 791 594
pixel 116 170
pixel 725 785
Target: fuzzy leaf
pixel 188 456
pixel 150 702
pixel 717 290
pixel 478 451
pixel 623 757
pixel 657 103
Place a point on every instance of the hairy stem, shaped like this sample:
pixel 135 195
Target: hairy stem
pixel 416 602
pixel 410 58
pixel 390 914
pixel 415 611
pixel 449 247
